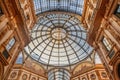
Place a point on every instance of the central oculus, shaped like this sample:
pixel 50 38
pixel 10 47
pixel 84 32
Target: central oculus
pixel 58 33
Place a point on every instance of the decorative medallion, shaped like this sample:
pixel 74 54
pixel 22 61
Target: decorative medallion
pixel 84 78
pixel 104 75
pixel 93 76
pixel 13 74
pixel 33 78
pixel 24 77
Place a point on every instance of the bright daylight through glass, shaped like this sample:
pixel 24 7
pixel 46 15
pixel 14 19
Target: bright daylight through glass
pixel 75 6
pixel 58 40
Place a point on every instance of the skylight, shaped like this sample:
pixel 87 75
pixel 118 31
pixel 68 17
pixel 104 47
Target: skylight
pixel 75 6
pixel 59 74
pixel 58 40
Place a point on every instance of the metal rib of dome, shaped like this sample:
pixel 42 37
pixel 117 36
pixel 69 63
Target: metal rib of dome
pixel 58 40
pixel 58 74
pixel 75 6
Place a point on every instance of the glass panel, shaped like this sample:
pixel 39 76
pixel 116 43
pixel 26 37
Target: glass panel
pixel 58 74
pixel 75 6
pixel 10 44
pixel 106 44
pixel 58 45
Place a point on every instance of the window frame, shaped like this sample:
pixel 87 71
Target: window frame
pixel 116 11
pixel 106 43
pixel 10 44
pixel 111 52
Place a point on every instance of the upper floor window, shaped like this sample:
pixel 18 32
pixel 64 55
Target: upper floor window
pixel 117 11
pixel 10 44
pixel 106 44
pixel 5 54
pixel 109 47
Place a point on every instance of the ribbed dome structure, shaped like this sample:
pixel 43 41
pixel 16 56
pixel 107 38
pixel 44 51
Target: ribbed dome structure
pixel 58 40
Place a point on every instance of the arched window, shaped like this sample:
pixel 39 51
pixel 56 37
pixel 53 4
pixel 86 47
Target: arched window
pixel 20 58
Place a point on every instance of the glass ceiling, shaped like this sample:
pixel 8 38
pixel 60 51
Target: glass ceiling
pixel 58 40
pixel 58 74
pixel 75 6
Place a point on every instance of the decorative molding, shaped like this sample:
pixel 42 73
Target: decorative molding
pixel 1 70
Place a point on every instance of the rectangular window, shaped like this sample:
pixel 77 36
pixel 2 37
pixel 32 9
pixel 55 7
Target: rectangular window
pixel 5 54
pixel 117 11
pixel 108 47
pixel 111 53
pixel 10 44
pixel 106 44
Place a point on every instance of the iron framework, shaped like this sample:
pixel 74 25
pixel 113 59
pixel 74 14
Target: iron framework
pixel 75 6
pixel 58 40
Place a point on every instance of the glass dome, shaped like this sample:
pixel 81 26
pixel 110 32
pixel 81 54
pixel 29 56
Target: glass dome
pixel 58 40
